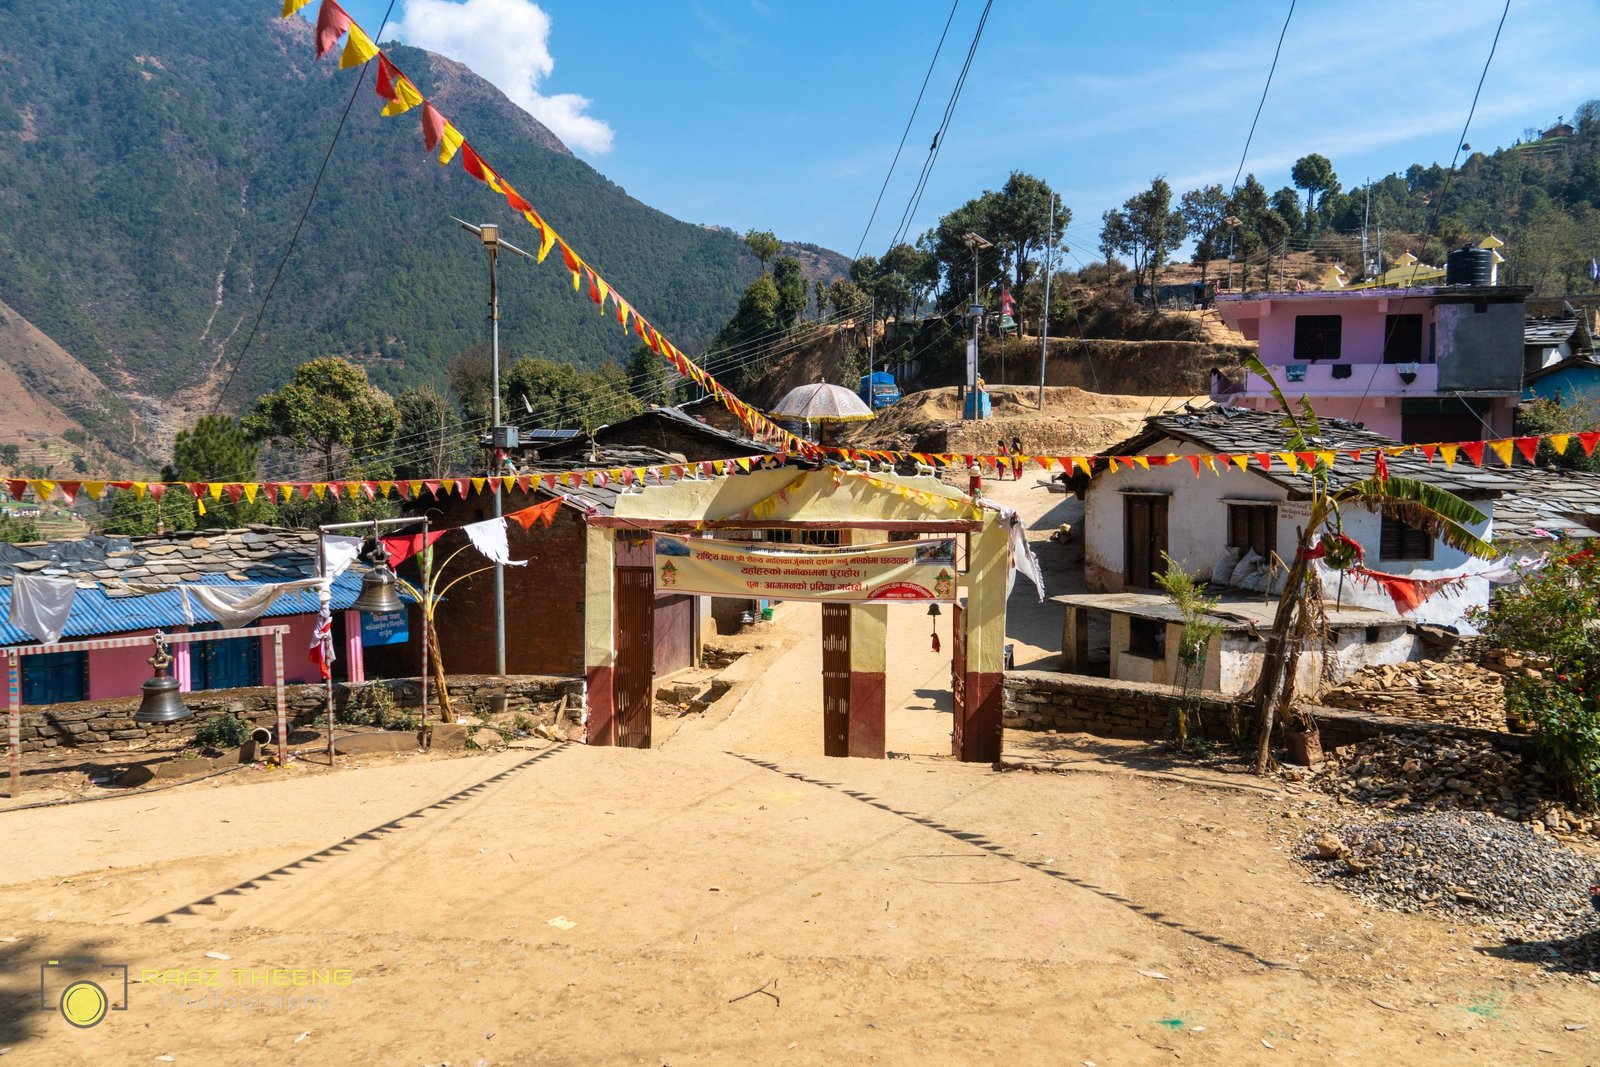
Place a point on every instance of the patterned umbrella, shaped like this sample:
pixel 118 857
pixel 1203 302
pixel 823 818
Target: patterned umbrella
pixel 823 403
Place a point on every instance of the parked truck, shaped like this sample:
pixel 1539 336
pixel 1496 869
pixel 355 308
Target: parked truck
pixel 879 390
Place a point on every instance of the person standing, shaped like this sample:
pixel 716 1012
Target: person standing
pixel 1002 462
pixel 1016 458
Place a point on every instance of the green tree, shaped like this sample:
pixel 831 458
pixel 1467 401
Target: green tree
pixel 566 397
pixel 764 243
pixel 15 530
pixel 1205 213
pixel 1552 617
pixel 1314 174
pixel 427 444
pixel 329 409
pixel 1145 229
pixel 845 297
pixel 790 281
pixel 650 380
pixel 469 376
pixel 10 456
pixel 1539 417
pixel 215 449
pixel 1014 219
pixel 1287 204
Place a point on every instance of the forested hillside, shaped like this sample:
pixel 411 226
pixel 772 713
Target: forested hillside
pixel 155 156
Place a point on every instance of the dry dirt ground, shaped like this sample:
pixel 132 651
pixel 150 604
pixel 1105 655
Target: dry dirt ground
pixel 732 896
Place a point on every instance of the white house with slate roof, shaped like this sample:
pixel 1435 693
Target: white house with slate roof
pixel 1132 516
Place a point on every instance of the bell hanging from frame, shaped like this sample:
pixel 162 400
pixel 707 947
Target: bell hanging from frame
pixel 379 587
pixel 161 702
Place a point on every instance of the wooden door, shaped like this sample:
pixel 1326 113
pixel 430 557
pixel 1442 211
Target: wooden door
pixel 231 664
pixel 674 636
pixel 1144 540
pixel 958 675
pixel 634 677
pixel 835 679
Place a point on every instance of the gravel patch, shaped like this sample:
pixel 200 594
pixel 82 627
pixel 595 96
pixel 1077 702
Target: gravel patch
pixel 1472 867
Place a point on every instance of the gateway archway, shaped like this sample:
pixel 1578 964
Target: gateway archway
pixel 866 509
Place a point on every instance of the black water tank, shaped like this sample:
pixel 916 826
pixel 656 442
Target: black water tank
pixel 1469 266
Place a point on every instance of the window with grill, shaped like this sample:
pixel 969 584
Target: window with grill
pixel 1397 540
pixel 1316 337
pixel 1253 527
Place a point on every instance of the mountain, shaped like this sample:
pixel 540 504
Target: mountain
pixel 155 157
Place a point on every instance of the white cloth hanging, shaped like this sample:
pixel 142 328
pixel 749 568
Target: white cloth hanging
pixel 236 606
pixel 1020 553
pixel 322 652
pixel 489 537
pixel 338 553
pixel 40 605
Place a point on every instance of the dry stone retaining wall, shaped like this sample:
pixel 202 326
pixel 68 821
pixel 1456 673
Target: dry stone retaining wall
pixel 93 723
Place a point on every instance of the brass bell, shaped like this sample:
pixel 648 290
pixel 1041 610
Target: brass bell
pixel 379 586
pixel 161 702
pixel 933 609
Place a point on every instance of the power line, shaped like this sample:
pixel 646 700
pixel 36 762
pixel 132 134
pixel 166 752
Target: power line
pixel 1251 136
pixel 939 136
pixel 937 49
pixel 1462 140
pixel 295 237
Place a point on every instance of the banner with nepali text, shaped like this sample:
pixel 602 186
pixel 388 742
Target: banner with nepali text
pixel 899 570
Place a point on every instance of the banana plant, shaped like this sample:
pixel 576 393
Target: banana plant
pixel 429 596
pixel 1299 616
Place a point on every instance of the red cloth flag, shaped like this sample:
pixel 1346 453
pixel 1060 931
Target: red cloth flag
pixel 17 487
pixel 1588 441
pixel 402 547
pixel 1474 451
pixel 332 24
pixel 1529 447
pixel 432 126
pixel 1008 306
pixel 545 513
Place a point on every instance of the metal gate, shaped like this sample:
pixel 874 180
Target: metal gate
pixel 958 675
pixel 836 679
pixel 635 671
pixel 674 633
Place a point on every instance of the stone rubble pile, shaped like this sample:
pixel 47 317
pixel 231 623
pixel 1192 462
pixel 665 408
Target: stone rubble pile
pixel 1410 773
pixel 1460 693
pixel 1472 866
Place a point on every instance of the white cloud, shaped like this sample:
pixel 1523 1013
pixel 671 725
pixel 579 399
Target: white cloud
pixel 507 42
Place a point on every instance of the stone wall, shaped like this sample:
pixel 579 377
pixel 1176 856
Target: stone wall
pixel 90 724
pixel 1047 700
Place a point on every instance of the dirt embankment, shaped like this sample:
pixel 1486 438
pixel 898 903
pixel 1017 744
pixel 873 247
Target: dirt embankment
pixel 1072 421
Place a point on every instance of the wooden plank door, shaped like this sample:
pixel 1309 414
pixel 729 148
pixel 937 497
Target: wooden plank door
pixel 958 675
pixel 635 671
pixel 835 679
pixel 1144 540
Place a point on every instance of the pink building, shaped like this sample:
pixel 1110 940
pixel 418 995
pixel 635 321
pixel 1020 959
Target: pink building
pixel 1419 364
pixel 104 605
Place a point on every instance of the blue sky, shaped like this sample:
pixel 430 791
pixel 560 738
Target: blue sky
pixel 785 115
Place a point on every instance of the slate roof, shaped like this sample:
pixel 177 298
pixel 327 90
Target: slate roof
pixel 1241 430
pixel 1551 331
pixel 1566 503
pixel 253 555
pixel 617 435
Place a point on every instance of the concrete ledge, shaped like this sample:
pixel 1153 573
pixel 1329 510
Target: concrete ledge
pixel 1346 726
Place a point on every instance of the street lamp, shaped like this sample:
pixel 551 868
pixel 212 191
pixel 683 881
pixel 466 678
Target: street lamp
pixel 501 438
pixel 1232 222
pixel 976 244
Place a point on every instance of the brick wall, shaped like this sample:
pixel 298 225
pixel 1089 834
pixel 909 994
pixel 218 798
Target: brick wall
pixel 92 723
pixel 544 600
pixel 1047 700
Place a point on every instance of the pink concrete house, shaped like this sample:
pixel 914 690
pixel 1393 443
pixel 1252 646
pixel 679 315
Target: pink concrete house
pixel 1418 364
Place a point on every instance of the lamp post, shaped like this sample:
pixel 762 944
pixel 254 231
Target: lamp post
pixel 976 244
pixel 1232 222
pixel 501 438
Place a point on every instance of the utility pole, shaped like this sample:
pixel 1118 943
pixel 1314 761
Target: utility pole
pixel 1049 267
pixel 501 438
pixel 977 244
pixel 1366 218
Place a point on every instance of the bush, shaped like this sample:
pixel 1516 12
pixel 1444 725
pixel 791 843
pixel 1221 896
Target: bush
pixel 224 731
pixel 1552 618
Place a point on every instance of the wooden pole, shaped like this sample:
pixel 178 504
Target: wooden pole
pixel 14 724
pixel 425 559
pixel 283 704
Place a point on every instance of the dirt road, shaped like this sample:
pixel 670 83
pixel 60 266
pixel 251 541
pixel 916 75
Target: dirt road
pixel 733 897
